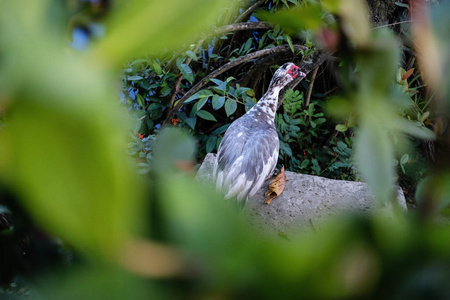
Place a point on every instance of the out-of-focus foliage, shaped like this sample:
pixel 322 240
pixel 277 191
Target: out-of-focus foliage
pixel 63 157
pixel 63 148
pixel 369 63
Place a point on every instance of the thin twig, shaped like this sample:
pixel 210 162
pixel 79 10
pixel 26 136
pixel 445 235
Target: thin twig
pixel 177 89
pixel 308 94
pixel 250 10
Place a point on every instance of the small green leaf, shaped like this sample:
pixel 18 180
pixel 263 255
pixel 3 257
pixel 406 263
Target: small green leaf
pixel 304 164
pixel 217 102
pixel 153 106
pixel 230 107
pixel 341 128
pixel 140 100
pixel 289 41
pixel 206 115
pixel 157 68
pixel 248 45
pixel 187 72
pixel 404 159
pixel 211 144
pixel 191 122
pixel 199 94
pixel 221 85
pixel 149 123
pixel 202 102
pixel 192 55
pixel 424 116
pixel 341 146
pixel 135 78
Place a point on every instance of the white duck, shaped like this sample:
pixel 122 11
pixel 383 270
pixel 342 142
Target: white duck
pixel 248 153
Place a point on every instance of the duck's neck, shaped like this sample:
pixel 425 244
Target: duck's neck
pixel 268 104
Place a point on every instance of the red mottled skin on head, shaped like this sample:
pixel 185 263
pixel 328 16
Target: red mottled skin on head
pixel 294 71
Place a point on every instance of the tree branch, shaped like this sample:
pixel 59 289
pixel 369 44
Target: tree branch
pixel 238 27
pixel 226 67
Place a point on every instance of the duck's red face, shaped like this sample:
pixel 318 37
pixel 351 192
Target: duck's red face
pixel 294 71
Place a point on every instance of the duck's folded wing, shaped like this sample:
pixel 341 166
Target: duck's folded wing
pixel 243 164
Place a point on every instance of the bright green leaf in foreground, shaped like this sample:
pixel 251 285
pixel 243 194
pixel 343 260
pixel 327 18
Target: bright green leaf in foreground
pixel 63 150
pixel 375 156
pixel 307 16
pixel 147 26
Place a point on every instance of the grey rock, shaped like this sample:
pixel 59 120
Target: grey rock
pixel 307 202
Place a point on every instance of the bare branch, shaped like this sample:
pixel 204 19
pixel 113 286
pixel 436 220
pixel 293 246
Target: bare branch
pixel 240 26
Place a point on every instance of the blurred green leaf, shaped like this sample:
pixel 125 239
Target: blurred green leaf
pixel 140 100
pixel 101 283
pixel 341 128
pixel 374 157
pixel 157 67
pixel 172 145
pixel 355 21
pixel 135 78
pixel 413 129
pixel 306 16
pixel 192 55
pixel 404 159
pixel 144 26
pixel 382 60
pixel 65 144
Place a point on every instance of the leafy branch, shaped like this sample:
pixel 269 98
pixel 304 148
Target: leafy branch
pixel 224 68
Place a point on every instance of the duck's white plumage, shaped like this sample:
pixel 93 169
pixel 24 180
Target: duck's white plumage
pixel 248 152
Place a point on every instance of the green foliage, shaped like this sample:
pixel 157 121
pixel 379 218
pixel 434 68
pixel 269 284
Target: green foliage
pixel 63 155
pixel 306 145
pixel 153 86
pixel 62 150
